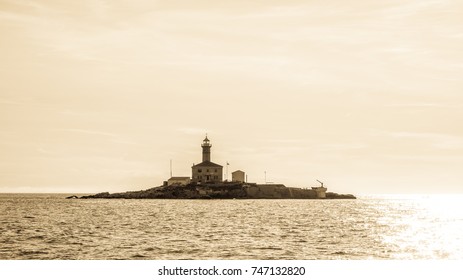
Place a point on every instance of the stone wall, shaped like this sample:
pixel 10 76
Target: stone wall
pixel 278 191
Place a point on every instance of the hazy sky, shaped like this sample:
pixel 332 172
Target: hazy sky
pixel 101 95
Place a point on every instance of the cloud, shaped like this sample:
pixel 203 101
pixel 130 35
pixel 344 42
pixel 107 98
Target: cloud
pixel 436 140
pixel 86 131
pixel 425 105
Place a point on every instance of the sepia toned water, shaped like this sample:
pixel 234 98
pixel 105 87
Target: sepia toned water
pixel 45 226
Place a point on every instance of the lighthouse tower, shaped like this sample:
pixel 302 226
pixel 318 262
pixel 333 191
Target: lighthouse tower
pixel 206 145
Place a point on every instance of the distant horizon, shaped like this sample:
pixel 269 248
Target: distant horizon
pixel 329 190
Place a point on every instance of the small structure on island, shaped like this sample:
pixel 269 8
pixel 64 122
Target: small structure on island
pixel 321 191
pixel 178 181
pixel 206 171
pixel 238 176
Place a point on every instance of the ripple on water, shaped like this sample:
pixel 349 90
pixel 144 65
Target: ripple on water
pixel 238 229
pixel 40 237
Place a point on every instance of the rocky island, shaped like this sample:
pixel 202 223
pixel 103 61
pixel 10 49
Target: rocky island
pixel 206 183
pixel 226 190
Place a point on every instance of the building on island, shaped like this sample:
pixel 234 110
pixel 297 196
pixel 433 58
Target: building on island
pixel 207 171
pixel 238 176
pixel 179 181
pixel 207 183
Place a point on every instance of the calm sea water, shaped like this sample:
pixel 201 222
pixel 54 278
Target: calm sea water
pixel 44 226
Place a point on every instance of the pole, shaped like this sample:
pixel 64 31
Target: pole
pixel 170 168
pixel 265 177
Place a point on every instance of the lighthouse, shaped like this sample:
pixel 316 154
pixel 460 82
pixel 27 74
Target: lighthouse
pixel 206 171
pixel 206 145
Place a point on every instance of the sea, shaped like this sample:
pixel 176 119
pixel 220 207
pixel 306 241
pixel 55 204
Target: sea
pixel 393 227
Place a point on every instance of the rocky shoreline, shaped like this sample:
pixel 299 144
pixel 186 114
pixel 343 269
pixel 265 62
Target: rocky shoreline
pixel 223 190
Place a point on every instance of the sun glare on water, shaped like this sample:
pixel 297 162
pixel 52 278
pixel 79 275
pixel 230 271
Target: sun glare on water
pixel 424 227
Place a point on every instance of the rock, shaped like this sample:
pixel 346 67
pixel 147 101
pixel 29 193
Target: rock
pixel 222 190
pixel 98 195
pixel 330 195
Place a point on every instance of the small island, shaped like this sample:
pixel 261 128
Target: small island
pixel 226 190
pixel 206 183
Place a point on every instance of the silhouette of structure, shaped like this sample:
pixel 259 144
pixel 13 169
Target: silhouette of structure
pixel 182 181
pixel 207 171
pixel 207 183
pixel 238 176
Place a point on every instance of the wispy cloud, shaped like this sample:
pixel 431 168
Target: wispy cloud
pixel 436 140
pixel 86 131
pixel 10 101
pixel 343 146
pixel 424 105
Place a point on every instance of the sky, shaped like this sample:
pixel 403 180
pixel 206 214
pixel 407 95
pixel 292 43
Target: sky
pixel 365 96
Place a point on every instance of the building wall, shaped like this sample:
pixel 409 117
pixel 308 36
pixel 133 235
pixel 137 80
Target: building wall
pixel 178 181
pixel 238 176
pixel 207 174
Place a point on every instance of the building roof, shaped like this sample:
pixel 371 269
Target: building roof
pixel 179 178
pixel 207 164
pixel 237 171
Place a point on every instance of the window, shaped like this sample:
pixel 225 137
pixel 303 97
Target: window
pixel 215 170
pixel 200 170
pixel 207 170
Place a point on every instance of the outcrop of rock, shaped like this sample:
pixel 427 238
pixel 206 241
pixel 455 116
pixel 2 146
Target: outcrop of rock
pixel 331 195
pixel 224 190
